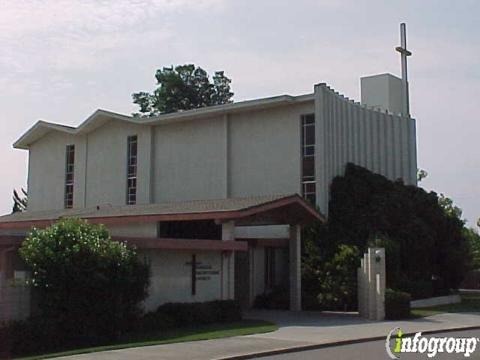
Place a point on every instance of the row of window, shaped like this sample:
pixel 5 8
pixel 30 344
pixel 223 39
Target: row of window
pixel 131 172
pixel 308 165
pixel 308 158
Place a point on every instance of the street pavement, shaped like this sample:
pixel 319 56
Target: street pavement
pixel 304 330
pixel 373 350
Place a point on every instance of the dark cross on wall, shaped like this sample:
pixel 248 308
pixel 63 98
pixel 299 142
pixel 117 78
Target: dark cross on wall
pixel 193 264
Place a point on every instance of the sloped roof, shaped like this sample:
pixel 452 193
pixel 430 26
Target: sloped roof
pixel 272 208
pixel 99 117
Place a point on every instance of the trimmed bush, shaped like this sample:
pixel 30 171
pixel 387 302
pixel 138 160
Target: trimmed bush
pixel 89 287
pixel 397 304
pixel 171 315
pixel 277 299
pixel 419 289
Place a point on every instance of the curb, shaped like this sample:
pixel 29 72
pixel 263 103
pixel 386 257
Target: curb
pixel 335 343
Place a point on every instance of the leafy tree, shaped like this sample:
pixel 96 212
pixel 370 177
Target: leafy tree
pixel 87 285
pixel 425 228
pixel 449 207
pixel 338 279
pixel 474 241
pixel 329 270
pixel 184 87
pixel 421 174
pixel 19 202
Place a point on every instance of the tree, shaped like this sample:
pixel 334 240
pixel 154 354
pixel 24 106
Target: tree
pixel 474 241
pixel 19 202
pixel 421 174
pixel 449 207
pixel 425 228
pixel 184 87
pixel 88 286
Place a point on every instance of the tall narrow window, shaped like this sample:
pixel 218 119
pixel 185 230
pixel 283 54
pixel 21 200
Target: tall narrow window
pixel 69 175
pixel 132 170
pixel 308 158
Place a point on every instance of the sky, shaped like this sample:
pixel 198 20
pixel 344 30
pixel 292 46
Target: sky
pixel 60 60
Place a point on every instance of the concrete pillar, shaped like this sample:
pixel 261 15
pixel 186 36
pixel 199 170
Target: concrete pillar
pixel 295 268
pixel 381 284
pixel 371 284
pixel 228 263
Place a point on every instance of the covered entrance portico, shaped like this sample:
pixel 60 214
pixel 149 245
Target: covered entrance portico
pixel 199 264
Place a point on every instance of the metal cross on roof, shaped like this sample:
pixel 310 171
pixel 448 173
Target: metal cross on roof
pixel 404 53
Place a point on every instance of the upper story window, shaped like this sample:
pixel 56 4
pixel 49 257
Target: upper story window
pixel 308 158
pixel 69 175
pixel 132 170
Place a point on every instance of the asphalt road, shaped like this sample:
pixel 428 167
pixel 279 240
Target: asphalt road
pixel 376 350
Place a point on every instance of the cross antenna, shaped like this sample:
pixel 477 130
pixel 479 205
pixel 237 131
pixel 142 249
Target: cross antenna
pixel 402 49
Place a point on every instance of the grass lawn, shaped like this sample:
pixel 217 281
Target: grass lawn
pixel 205 332
pixel 470 303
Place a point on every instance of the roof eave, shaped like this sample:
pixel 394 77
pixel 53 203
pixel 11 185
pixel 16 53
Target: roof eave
pixel 32 135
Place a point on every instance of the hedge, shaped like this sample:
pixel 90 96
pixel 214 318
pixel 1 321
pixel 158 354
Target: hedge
pixel 171 315
pixel 39 335
pixel 397 304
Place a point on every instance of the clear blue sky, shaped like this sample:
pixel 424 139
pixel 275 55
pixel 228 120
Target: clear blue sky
pixel 60 60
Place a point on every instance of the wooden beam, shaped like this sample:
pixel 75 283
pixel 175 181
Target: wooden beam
pixel 183 244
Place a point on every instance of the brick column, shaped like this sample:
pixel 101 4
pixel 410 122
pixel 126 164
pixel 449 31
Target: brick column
pixel 295 268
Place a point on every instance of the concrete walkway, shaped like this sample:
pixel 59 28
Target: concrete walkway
pixel 305 330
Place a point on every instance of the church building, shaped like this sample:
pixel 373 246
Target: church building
pixel 213 198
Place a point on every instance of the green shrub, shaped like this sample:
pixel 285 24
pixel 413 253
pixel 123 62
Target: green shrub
pixel 397 304
pixel 277 299
pixel 171 315
pixel 89 288
pixel 332 280
pixel 421 226
pixel 418 289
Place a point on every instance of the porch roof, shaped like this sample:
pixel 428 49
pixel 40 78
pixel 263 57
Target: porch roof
pixel 257 210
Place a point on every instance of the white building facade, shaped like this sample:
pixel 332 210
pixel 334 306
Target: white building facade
pixel 265 149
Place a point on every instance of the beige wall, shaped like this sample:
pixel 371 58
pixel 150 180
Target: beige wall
pixel 107 164
pixel 46 171
pixel 348 132
pixel 254 153
pixel 231 155
pixel 189 161
pixel 264 149
pixel 171 277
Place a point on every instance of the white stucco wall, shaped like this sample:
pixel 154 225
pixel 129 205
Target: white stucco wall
pixel 107 164
pixel 189 160
pixel 171 277
pixel 46 171
pixel 229 155
pixel 264 151
pixel 348 132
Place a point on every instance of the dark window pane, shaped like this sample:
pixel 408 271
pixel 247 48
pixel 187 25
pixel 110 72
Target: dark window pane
pixel 309 135
pixel 312 199
pixel 309 187
pixel 308 119
pixel 69 175
pixel 309 150
pixel 131 169
pixel 308 167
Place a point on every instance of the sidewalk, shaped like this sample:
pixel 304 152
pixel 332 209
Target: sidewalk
pixel 305 330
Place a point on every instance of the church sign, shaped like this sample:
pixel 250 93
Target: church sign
pixel 200 272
